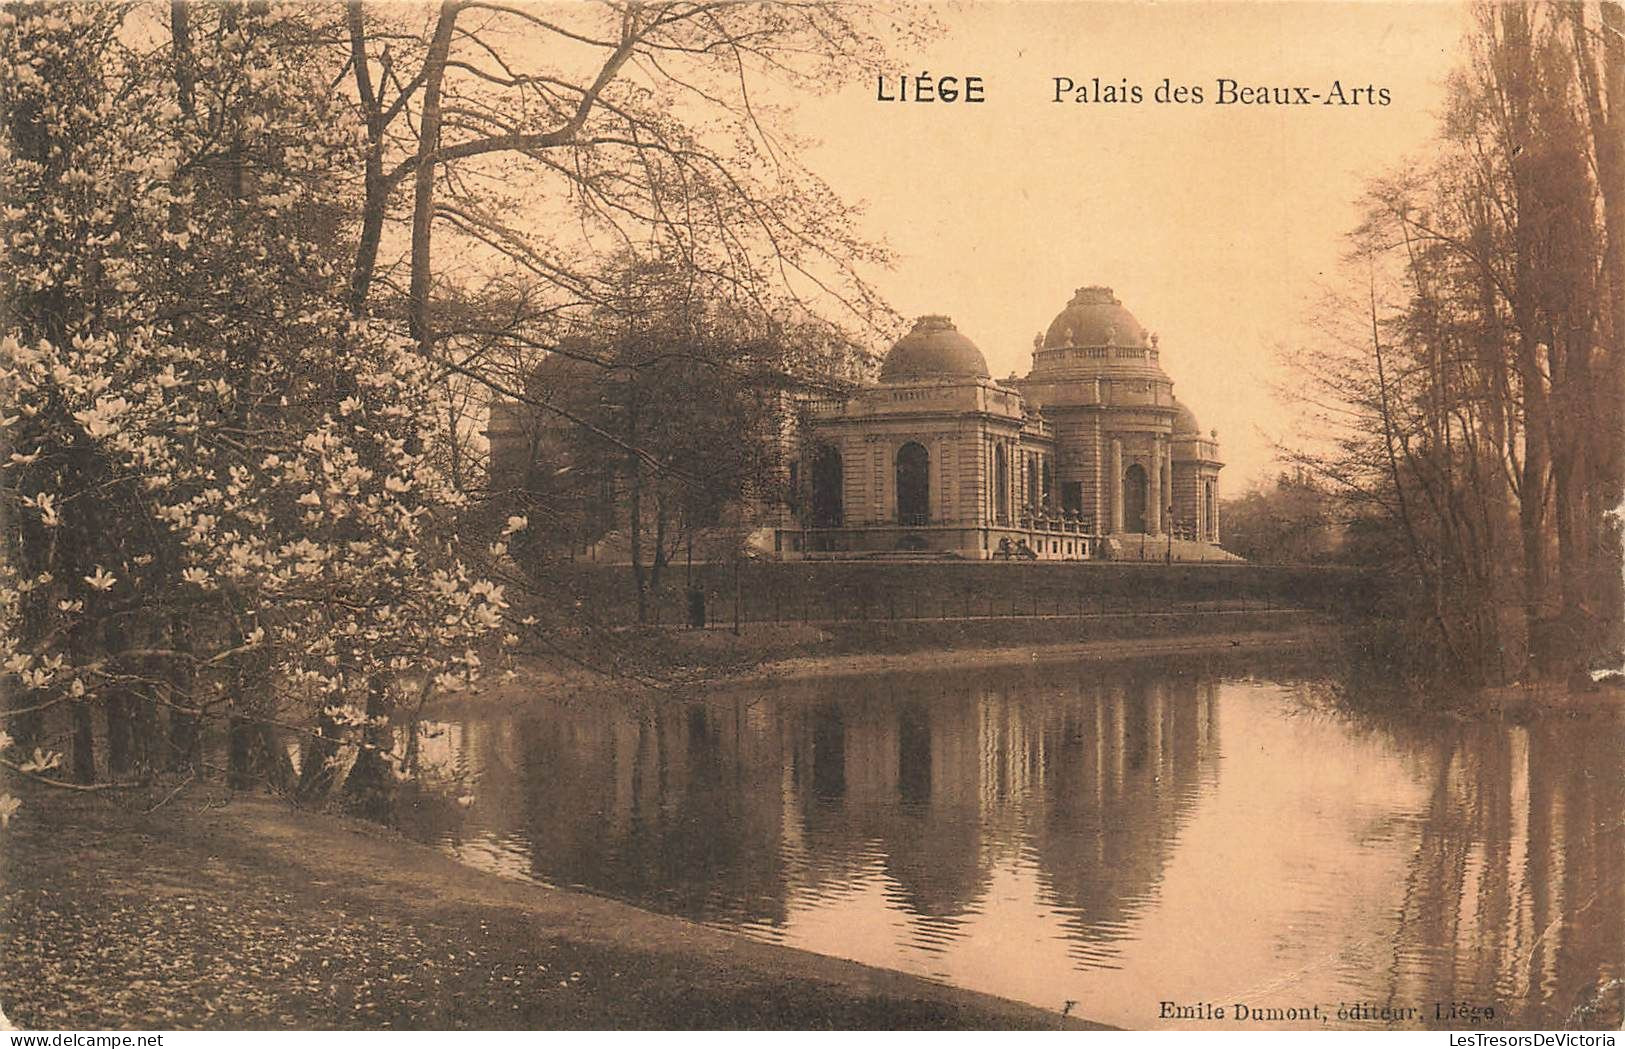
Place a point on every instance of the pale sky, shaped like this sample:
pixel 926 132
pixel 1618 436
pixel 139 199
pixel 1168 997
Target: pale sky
pixel 1212 223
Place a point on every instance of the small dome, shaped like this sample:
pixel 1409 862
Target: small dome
pixel 1185 424
pixel 934 349
pixel 1095 317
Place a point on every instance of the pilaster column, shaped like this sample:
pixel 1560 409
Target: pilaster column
pixel 1018 489
pixel 1168 482
pixel 1117 485
pixel 984 488
pixel 886 481
pixel 1012 481
pixel 1153 494
pixel 1097 480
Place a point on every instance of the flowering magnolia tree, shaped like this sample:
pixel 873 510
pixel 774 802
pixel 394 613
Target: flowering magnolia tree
pixel 218 499
pixel 262 266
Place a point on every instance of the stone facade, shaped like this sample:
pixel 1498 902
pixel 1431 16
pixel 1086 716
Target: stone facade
pixel 1087 456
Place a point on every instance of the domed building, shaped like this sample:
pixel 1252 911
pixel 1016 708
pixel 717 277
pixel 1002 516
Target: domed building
pixel 1087 456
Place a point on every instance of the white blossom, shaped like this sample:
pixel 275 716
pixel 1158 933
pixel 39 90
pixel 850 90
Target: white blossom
pixel 41 761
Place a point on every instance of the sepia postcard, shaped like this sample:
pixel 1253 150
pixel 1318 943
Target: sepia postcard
pixel 781 515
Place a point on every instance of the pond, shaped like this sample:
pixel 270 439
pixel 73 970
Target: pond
pixel 1157 842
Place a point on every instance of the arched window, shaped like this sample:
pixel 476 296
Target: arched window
pixel 1210 525
pixel 913 484
pixel 826 487
pixel 1033 501
pixel 1135 491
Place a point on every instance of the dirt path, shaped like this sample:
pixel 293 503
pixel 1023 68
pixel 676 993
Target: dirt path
pixel 254 916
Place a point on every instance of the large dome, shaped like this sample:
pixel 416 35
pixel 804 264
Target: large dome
pixel 934 349
pixel 1095 317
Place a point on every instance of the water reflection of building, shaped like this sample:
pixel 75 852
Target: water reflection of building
pixel 729 808
pixel 1125 769
pixel 882 819
pixel 671 804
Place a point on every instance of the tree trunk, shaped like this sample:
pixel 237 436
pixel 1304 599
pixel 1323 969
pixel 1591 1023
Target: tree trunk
pixel 27 730
pixel 146 724
pixel 184 741
pixel 635 516
pixel 144 741
pixel 376 191
pixel 121 707
pixel 370 787
pixel 121 736
pixel 84 744
pixel 82 755
pixel 239 752
pixel 1532 529
pixel 180 36
pixel 317 771
pixel 1513 65
pixel 423 176
pixel 660 559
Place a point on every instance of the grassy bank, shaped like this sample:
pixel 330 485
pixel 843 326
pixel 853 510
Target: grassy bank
pixel 204 915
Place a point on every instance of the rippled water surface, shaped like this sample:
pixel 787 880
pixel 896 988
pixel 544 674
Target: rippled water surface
pixel 1119 837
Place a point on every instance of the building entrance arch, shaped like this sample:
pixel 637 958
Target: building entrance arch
pixel 913 484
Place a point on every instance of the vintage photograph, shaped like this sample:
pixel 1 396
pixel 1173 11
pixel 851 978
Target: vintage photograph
pixel 812 515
